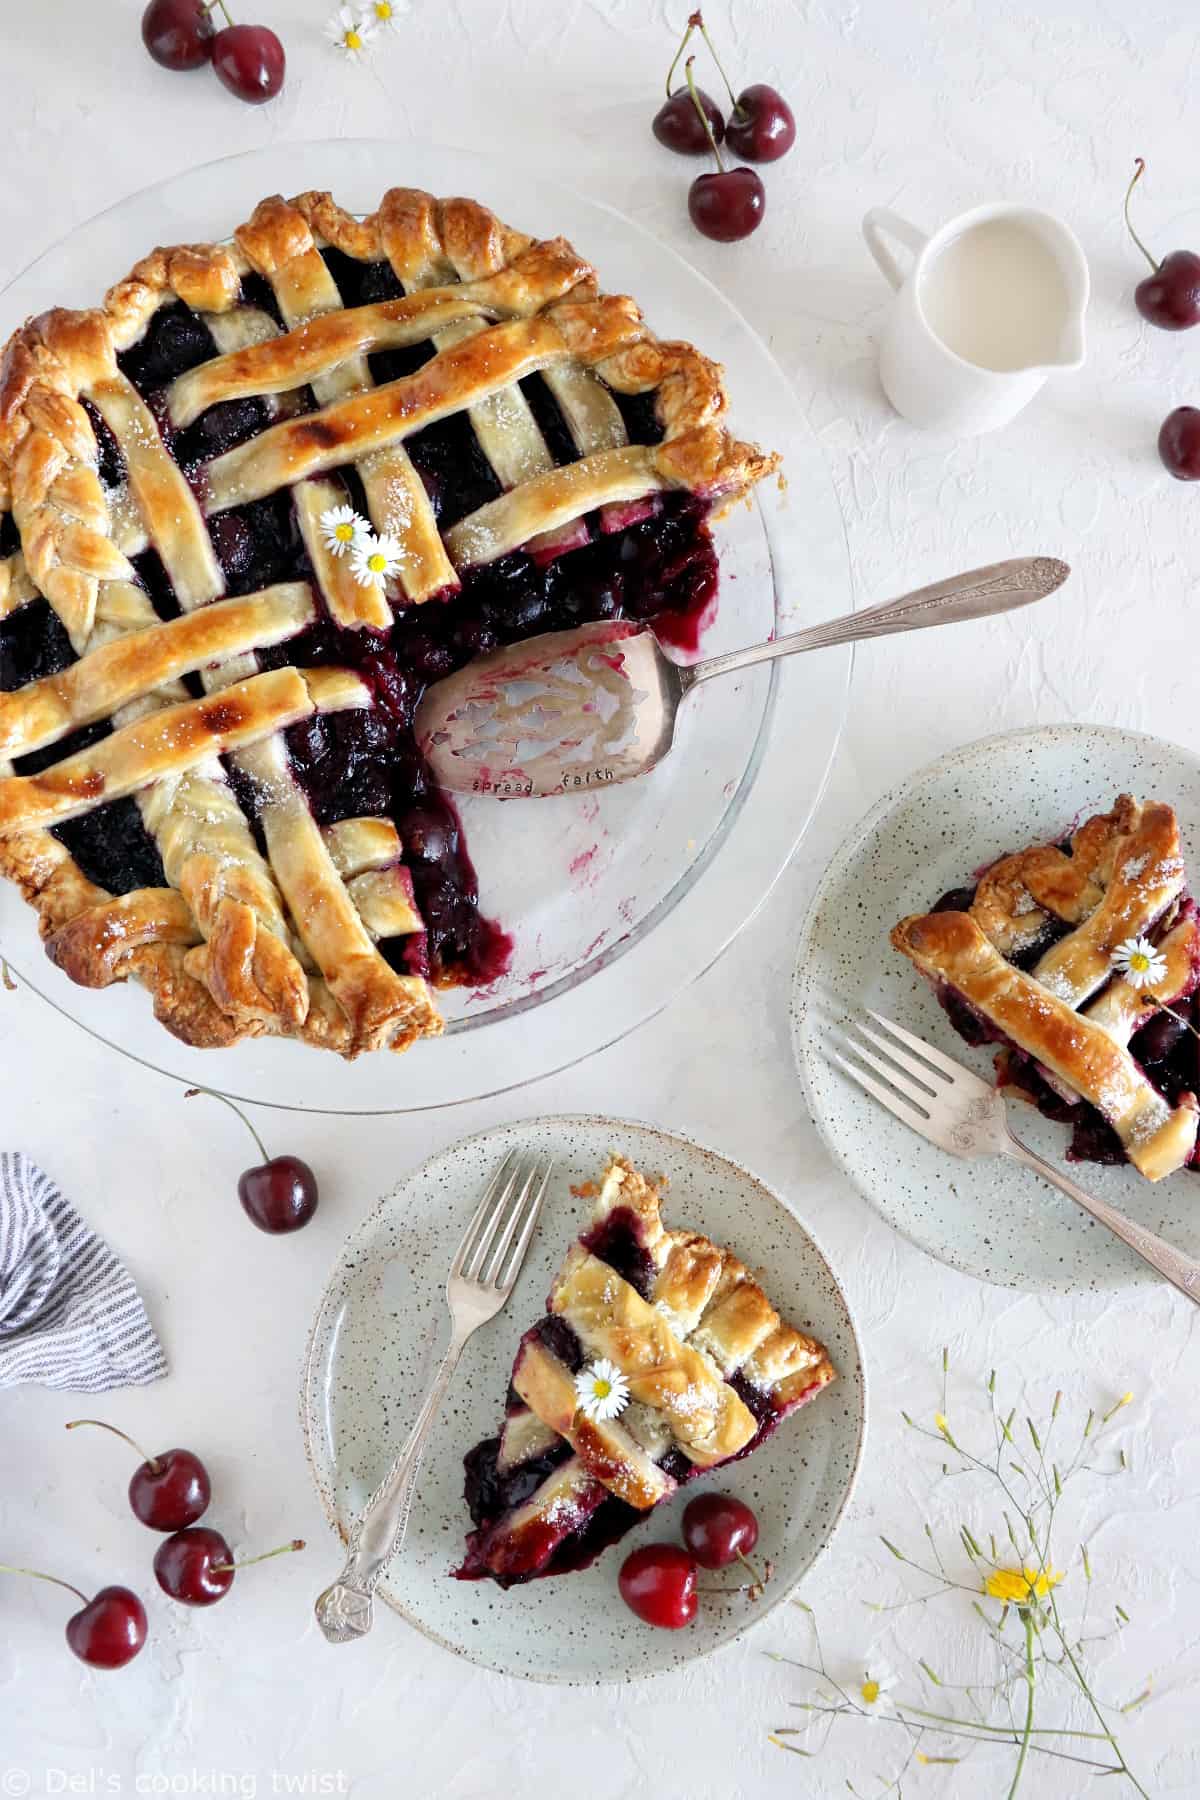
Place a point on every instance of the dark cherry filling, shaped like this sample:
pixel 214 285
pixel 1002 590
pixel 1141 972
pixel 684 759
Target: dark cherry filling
pixel 661 568
pixel 175 340
pixel 33 643
pixel 1167 1051
pixel 256 291
pixel 111 464
pixel 10 537
pixel 615 1242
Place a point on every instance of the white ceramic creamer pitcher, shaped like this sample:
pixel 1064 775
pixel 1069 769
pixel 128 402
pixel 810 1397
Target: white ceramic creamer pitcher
pixel 989 306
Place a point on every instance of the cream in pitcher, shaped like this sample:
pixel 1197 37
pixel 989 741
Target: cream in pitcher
pixel 989 306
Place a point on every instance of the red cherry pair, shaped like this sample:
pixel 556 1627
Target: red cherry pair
pixel 248 59
pixel 728 204
pixel 658 1582
pixel 169 1492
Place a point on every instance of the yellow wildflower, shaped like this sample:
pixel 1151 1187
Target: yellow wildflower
pixel 940 1421
pixel 1016 1587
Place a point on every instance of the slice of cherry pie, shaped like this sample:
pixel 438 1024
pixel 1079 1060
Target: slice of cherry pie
pixel 1082 960
pixel 211 782
pixel 702 1366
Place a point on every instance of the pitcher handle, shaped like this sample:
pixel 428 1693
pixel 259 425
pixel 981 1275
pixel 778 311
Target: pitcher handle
pixel 880 223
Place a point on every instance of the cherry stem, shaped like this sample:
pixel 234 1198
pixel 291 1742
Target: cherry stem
pixel 213 4
pixel 684 41
pixel 283 1550
pixel 1153 1000
pixel 760 1580
pixel 737 111
pixel 39 1575
pixel 212 1093
pixel 1139 167
pixel 151 1462
pixel 708 130
pixel 747 1587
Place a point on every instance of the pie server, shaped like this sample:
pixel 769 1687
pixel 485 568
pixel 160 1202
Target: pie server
pixel 572 710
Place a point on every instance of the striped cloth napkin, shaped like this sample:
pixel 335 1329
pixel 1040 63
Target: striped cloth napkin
pixel 70 1316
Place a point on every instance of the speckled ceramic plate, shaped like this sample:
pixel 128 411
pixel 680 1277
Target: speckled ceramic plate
pixel 990 1217
pixel 382 1323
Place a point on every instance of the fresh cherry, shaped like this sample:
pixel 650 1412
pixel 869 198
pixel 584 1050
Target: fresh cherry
pixel 719 1530
pixel 166 1491
pixel 178 33
pixel 249 60
pixel 658 1583
pixel 1179 443
pixel 677 125
pixel 729 203
pixel 1170 296
pixel 280 1193
pixel 196 1565
pixel 761 126
pixel 688 120
pixel 108 1630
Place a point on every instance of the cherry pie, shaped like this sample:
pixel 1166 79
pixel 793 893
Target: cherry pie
pixel 710 1370
pixel 1032 957
pixel 212 783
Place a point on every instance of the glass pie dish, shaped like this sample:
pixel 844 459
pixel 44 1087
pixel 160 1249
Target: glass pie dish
pixel 613 900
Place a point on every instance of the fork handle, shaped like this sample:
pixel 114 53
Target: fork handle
pixel 344 1611
pixel 1181 1271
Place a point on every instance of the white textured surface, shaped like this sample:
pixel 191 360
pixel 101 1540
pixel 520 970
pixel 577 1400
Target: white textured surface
pixel 927 108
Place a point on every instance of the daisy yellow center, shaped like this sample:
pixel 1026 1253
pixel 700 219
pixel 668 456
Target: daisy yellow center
pixel 344 533
pixel 870 1692
pixel 377 563
pixel 1139 962
pixel 383 10
pixel 353 40
pixel 601 1387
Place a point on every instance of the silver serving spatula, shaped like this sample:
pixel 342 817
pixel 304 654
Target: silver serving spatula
pixel 581 709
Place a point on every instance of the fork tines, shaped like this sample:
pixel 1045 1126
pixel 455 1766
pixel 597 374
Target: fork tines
pixel 916 1082
pixel 494 1243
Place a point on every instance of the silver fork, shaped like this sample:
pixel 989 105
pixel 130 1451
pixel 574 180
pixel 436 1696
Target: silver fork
pixel 481 1279
pixel 963 1114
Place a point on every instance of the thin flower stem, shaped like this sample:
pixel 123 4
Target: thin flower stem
pixel 1091 1698
pixel 1005 1730
pixel 965 1729
pixel 1030 1677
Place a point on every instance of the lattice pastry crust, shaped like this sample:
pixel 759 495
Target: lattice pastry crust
pixel 1070 1011
pixel 704 1344
pixel 241 942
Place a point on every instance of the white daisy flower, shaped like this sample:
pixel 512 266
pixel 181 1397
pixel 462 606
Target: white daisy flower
pixel 374 558
pixel 386 15
pixel 1139 962
pixel 602 1390
pixel 350 31
pixel 341 528
pixel 874 1689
